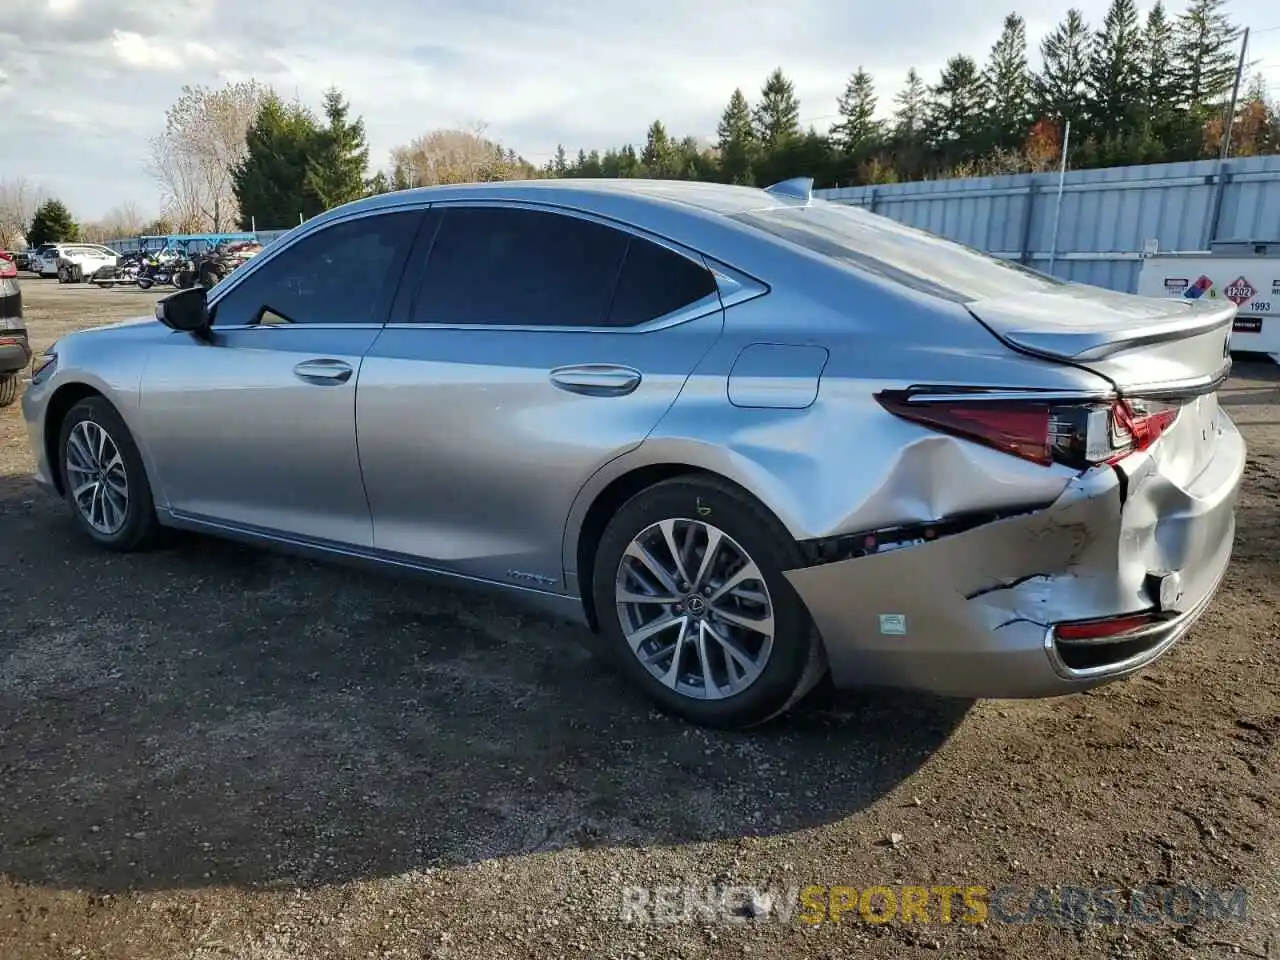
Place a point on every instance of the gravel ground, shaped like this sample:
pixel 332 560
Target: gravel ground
pixel 211 752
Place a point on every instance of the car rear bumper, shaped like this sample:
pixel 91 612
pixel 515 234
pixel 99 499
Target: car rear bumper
pixel 973 614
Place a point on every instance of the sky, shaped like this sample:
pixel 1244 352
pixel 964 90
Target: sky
pixel 84 84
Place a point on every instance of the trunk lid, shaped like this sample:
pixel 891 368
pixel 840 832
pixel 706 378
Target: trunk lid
pixel 1145 346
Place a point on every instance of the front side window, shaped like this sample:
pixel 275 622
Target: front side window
pixel 339 275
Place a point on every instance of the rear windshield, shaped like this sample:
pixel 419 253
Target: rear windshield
pixel 915 258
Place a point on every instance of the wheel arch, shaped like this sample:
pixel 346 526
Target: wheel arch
pixel 55 414
pixel 606 492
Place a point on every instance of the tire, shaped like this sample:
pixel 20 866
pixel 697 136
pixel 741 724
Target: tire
pixel 144 283
pixel 793 664
pixel 138 526
pixel 8 389
pixel 209 275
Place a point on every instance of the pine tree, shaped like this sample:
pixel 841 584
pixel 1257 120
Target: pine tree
pixel 658 154
pixel 560 165
pixel 1060 92
pixel 777 116
pixel 52 223
pixel 1159 78
pixel 956 108
pixel 271 181
pixel 1115 81
pixel 857 128
pixel 737 141
pixel 339 157
pixel 912 103
pixel 1205 45
pixel 1008 83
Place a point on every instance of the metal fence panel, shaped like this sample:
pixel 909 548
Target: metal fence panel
pixel 1107 216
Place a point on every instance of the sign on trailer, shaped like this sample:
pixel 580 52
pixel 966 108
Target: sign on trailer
pixel 1251 283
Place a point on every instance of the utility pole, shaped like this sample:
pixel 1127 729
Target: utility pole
pixel 1235 94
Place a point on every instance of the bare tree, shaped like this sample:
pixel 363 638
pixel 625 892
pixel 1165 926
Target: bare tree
pixel 19 199
pixel 117 224
pixel 455 156
pixel 202 142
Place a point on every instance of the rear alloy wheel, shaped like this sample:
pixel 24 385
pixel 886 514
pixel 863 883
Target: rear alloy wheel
pixel 103 477
pixel 689 587
pixel 8 389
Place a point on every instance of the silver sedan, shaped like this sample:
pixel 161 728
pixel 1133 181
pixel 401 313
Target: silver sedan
pixel 750 437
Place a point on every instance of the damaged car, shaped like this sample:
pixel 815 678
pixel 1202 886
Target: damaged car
pixel 750 437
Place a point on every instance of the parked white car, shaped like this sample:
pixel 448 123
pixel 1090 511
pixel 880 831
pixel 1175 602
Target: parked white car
pixel 88 257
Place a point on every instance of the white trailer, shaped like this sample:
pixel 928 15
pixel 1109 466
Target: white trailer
pixel 1246 273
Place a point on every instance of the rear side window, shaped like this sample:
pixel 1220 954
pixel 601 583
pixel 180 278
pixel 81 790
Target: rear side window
pixel 499 265
pixel 656 281
pixel 914 258
pixel 519 267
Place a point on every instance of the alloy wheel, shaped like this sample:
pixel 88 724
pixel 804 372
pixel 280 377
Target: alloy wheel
pixel 97 478
pixel 695 609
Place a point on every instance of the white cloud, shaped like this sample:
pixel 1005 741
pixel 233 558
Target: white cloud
pixel 138 51
pixel 585 73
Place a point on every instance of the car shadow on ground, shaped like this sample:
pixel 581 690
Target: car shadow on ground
pixel 211 714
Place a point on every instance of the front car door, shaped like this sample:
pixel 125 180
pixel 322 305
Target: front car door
pixel 539 346
pixel 257 429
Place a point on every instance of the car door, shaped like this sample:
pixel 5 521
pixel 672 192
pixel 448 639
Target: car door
pixel 540 345
pixel 257 429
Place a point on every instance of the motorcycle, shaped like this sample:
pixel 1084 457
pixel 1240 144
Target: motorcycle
pixel 155 271
pixel 125 272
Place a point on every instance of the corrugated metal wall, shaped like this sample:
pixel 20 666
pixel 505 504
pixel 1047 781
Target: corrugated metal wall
pixel 1107 216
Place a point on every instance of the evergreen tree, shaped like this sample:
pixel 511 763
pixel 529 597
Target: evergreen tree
pixel 912 104
pixel 1008 83
pixel 1060 91
pixel 737 141
pixel 857 128
pixel 560 165
pixel 52 223
pixel 777 116
pixel 658 155
pixel 1160 87
pixel 339 156
pixel 1115 81
pixel 271 183
pixel 1206 52
pixel 378 183
pixel 956 109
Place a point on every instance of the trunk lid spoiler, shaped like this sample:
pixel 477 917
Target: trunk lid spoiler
pixel 1144 345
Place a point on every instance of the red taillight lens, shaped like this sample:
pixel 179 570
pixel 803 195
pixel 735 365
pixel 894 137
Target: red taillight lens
pixel 1104 629
pixel 1077 434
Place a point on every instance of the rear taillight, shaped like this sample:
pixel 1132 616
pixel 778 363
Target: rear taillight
pixel 1110 628
pixel 1080 433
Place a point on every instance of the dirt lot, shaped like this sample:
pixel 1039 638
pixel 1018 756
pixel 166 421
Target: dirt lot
pixel 214 752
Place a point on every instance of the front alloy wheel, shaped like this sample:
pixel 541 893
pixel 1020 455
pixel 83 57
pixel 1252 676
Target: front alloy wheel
pixel 97 478
pixel 695 609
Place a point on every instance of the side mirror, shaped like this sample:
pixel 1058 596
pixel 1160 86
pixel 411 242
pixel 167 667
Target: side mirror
pixel 188 311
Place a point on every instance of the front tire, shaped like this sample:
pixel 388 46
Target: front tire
pixel 104 479
pixel 8 389
pixel 690 594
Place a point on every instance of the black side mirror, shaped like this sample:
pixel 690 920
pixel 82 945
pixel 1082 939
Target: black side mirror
pixel 188 311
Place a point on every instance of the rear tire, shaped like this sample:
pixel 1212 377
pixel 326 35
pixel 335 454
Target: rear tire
pixel 8 389
pixel 747 684
pixel 104 480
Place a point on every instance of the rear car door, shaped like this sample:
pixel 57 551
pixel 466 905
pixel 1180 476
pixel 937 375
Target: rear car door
pixel 540 345
pixel 257 429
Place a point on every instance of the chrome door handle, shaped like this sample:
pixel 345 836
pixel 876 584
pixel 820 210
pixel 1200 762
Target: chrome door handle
pixel 596 379
pixel 323 371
